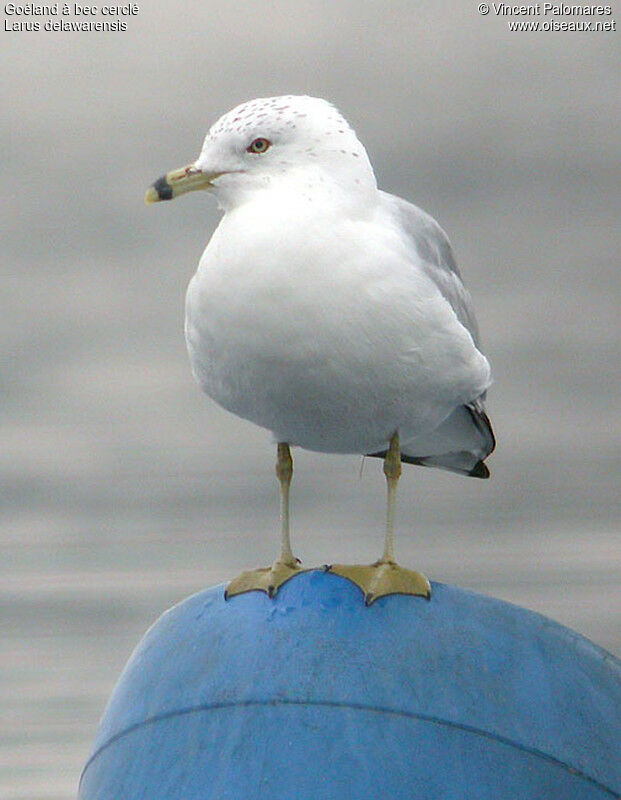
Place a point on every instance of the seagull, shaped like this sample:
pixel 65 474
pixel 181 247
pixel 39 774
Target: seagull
pixel 331 313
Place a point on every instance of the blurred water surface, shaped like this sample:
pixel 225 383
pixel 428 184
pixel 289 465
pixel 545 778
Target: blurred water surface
pixel 124 490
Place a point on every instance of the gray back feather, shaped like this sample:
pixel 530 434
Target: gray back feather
pixel 437 261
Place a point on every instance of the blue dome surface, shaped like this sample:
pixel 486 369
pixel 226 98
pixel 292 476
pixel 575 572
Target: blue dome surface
pixel 313 696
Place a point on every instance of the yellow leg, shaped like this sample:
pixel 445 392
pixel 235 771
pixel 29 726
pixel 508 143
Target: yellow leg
pixel 270 579
pixel 385 576
pixel 284 473
pixel 392 471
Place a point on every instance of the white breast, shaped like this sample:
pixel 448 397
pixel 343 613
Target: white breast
pixel 326 343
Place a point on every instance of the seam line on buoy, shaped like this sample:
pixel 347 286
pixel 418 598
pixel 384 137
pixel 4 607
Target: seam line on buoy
pixel 356 707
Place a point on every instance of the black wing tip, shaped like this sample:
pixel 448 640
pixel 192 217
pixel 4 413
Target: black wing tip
pixel 459 462
pixel 480 470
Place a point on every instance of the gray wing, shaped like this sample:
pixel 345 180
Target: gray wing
pixel 437 261
pixel 465 438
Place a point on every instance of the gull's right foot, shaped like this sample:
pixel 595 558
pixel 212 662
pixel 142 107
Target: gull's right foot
pixel 264 579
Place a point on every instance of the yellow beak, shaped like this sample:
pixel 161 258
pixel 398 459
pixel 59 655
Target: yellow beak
pixel 179 181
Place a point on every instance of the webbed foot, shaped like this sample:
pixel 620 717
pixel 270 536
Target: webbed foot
pixel 383 578
pixel 264 579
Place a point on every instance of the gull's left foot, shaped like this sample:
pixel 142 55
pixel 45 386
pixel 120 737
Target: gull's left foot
pixel 383 578
pixel 264 579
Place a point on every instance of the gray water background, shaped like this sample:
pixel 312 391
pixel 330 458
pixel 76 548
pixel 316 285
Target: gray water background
pixel 124 490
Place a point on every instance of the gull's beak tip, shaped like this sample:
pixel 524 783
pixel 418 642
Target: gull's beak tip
pixel 177 182
pixel 151 196
pixel 160 190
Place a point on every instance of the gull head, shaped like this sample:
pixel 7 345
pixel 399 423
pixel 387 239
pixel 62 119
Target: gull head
pixel 296 143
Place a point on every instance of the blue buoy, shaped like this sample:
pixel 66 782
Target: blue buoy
pixel 313 696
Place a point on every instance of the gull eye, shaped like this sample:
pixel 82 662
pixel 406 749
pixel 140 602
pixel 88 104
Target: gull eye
pixel 259 145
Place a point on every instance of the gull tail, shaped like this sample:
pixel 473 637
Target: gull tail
pixel 460 444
